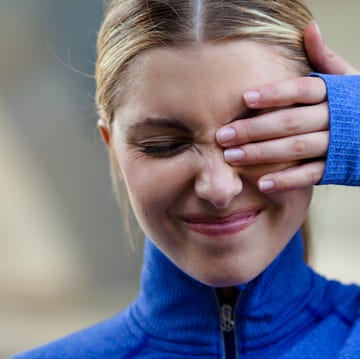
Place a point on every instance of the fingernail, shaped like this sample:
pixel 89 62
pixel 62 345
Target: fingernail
pixel 266 185
pixel 317 27
pixel 225 134
pixel 234 154
pixel 252 97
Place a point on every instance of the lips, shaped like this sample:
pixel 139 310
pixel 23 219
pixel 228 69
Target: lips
pixel 216 226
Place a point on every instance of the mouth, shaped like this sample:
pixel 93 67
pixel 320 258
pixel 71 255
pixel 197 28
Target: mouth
pixel 217 226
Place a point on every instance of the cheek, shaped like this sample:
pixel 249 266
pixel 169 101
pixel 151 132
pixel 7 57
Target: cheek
pixel 153 185
pixel 254 172
pixel 293 206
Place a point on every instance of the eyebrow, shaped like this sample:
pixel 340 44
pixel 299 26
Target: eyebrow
pixel 161 122
pixel 178 125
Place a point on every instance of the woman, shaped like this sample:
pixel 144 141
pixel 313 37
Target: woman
pixel 219 138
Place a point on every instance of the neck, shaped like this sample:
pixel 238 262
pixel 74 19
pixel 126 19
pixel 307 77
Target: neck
pixel 175 305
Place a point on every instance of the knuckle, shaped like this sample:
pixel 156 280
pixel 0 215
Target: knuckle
pixel 289 122
pixel 323 109
pixel 284 184
pixel 315 177
pixel 300 147
pixel 254 153
pixel 246 131
pixel 317 172
pixel 271 91
pixel 302 85
pixel 330 54
pixel 258 153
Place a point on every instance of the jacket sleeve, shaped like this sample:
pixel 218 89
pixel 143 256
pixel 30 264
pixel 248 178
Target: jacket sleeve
pixel 343 158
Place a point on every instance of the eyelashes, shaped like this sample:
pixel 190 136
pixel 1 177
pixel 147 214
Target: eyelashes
pixel 164 149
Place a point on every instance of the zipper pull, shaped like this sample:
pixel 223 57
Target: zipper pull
pixel 227 323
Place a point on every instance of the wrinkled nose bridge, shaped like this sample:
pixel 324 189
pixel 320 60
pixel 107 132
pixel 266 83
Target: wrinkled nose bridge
pixel 217 182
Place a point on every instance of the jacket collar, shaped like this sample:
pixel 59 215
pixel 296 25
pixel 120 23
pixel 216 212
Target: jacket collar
pixel 177 308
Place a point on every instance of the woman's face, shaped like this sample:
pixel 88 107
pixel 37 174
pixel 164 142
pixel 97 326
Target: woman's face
pixel 207 217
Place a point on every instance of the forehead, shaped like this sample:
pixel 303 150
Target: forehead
pixel 209 78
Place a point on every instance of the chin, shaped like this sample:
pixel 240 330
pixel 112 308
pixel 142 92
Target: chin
pixel 231 268
pixel 226 277
pixel 223 282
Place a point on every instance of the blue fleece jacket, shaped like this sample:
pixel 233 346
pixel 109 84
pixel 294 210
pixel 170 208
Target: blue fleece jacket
pixel 288 311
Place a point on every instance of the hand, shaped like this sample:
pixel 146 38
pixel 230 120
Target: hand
pixel 321 56
pixel 288 133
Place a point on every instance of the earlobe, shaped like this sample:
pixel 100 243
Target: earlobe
pixel 104 131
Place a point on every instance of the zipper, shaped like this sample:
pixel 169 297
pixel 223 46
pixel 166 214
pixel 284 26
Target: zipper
pixel 227 307
pixel 226 315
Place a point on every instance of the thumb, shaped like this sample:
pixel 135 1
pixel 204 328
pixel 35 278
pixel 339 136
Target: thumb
pixel 321 56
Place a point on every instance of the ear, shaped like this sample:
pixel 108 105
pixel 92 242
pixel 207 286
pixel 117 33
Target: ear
pixel 104 131
pixel 105 135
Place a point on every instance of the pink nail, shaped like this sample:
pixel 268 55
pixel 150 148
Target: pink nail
pixel 317 27
pixel 266 185
pixel 234 155
pixel 251 97
pixel 225 134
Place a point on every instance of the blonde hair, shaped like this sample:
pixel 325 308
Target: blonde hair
pixel 131 27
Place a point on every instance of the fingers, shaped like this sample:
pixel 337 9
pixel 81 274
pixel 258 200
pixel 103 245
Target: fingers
pixel 321 56
pixel 292 178
pixel 300 147
pixel 271 125
pixel 300 90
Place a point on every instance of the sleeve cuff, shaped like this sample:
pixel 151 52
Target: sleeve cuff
pixel 343 157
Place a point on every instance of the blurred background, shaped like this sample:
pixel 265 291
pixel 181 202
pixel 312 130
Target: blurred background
pixel 65 261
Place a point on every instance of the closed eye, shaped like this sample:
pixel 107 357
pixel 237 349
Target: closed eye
pixel 164 149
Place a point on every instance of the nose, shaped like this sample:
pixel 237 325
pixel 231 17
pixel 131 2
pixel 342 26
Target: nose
pixel 217 182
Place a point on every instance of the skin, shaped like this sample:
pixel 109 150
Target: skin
pixel 200 88
pixel 304 129
pixel 287 92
